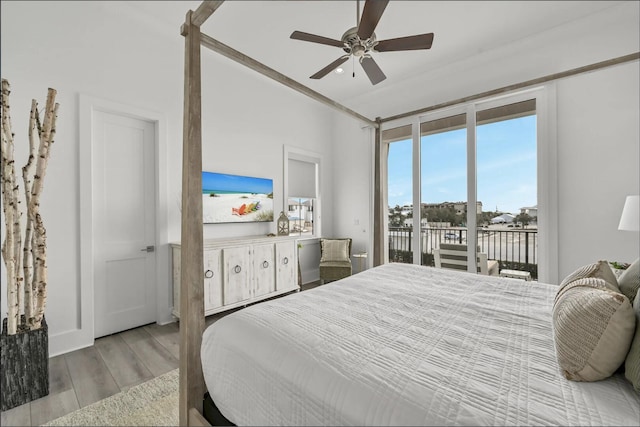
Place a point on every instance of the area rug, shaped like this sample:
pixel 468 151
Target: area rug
pixel 153 403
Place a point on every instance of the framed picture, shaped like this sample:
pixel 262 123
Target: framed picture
pixel 236 198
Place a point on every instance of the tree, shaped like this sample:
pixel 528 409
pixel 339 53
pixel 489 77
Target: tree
pixel 442 215
pixel 524 219
pixel 485 218
pixel 396 219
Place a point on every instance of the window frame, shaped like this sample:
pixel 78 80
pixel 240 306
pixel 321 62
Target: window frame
pixel 299 154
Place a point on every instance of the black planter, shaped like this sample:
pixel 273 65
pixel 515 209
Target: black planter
pixel 24 366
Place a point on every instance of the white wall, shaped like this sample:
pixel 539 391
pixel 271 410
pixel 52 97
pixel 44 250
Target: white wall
pixel 352 185
pixel 598 163
pixel 106 50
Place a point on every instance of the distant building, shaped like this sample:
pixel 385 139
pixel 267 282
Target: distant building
pixel 460 207
pixel 503 219
pixel 531 211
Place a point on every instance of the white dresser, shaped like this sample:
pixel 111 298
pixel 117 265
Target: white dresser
pixel 240 271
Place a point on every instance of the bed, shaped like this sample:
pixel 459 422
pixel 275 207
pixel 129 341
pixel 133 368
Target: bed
pixel 407 345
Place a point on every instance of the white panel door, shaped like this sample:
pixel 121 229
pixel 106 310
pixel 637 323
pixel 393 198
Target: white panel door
pixel 264 272
pixel 212 279
pixel 236 266
pixel 286 266
pixel 123 190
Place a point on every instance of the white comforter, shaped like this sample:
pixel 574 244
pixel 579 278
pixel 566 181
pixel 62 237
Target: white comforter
pixel 404 345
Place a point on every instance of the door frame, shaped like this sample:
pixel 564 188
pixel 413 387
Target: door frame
pixel 87 106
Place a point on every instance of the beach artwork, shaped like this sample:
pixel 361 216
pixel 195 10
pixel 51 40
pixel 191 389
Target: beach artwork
pixel 234 198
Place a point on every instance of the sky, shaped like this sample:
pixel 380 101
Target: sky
pixel 235 183
pixel 506 167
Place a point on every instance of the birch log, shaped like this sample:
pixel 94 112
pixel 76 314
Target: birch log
pixel 39 245
pixel 9 204
pixel 27 258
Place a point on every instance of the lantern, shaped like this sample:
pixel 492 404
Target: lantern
pixel 283 225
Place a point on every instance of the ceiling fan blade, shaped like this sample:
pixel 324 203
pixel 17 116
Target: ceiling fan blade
pixel 370 16
pixel 374 72
pixel 299 35
pixel 421 41
pixel 329 68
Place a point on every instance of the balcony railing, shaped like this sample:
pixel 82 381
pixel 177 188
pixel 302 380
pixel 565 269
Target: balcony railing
pixel 514 249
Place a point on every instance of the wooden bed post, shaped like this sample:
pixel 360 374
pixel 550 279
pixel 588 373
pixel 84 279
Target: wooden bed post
pixel 192 387
pixel 192 270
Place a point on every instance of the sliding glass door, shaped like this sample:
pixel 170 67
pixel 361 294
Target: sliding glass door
pixel 506 159
pixel 475 183
pixel 399 194
pixel 443 183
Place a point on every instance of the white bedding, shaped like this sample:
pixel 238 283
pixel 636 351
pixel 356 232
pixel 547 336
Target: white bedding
pixel 404 345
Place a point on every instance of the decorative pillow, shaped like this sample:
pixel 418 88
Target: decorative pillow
pixel 632 362
pixel 599 270
pixel 593 328
pixel 335 250
pixel 629 281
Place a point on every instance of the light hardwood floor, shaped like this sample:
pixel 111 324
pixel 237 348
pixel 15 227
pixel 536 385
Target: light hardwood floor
pixel 113 364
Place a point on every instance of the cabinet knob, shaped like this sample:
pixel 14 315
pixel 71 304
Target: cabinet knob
pixel 285 261
pixel 237 269
pixel 208 274
pixel 265 264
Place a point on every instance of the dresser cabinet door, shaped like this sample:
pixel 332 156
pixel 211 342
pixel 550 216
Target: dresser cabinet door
pixel 263 269
pixel 286 266
pixel 212 279
pixel 236 270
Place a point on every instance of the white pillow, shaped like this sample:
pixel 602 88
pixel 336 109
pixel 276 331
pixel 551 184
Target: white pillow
pixel 593 328
pixel 599 270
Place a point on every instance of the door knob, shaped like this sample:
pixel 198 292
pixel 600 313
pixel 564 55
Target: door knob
pixel 148 249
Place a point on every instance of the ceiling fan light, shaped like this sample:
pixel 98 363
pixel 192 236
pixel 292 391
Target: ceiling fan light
pixel 339 70
pixel 358 50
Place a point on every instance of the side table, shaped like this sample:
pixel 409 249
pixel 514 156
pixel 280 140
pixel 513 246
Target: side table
pixel 516 274
pixel 362 256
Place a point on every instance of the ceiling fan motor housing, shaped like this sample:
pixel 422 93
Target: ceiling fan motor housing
pixel 355 46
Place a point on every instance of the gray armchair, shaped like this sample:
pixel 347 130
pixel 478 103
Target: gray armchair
pixel 335 259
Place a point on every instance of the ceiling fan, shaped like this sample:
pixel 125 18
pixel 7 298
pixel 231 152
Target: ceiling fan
pixel 360 41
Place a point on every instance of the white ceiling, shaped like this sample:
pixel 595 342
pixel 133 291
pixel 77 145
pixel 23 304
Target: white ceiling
pixel 463 29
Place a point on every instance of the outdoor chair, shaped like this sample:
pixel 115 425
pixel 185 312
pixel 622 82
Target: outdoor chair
pixel 454 256
pixel 335 259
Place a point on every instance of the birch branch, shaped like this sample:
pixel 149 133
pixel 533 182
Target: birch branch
pixel 10 207
pixel 27 258
pixel 39 232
